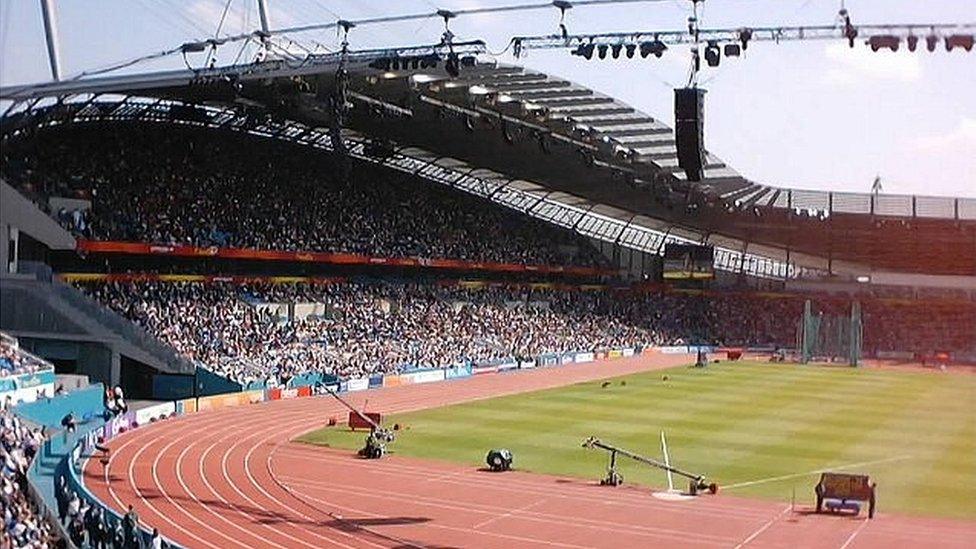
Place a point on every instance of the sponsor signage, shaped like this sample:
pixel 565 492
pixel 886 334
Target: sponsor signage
pixel 628 351
pixel 507 366
pixel 357 384
pixel 138 248
pixel 527 364
pixel 30 394
pixel 674 350
pixel 155 412
pixel 427 376
pixel 26 381
pixel 461 370
pixel 585 357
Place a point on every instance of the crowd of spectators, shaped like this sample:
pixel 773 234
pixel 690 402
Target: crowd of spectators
pixel 89 526
pixel 13 361
pixel 370 327
pixel 184 186
pixel 23 525
pixel 936 327
pixel 365 328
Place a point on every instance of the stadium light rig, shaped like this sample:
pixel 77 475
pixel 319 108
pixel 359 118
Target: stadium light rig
pixel 732 42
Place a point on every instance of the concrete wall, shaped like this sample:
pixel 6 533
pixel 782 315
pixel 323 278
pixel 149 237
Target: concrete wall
pixel 18 216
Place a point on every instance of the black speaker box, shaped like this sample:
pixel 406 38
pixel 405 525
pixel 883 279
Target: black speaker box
pixel 689 131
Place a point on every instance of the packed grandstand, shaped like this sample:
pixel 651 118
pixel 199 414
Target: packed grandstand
pixel 163 186
pixel 24 525
pixel 382 326
pixel 168 185
pixel 191 252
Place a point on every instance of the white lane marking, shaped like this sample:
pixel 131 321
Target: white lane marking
pixel 206 482
pixel 135 488
pixel 854 534
pixel 815 472
pixel 497 518
pixel 762 528
pixel 532 516
pixel 159 487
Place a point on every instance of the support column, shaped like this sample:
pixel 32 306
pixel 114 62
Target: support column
pixel 265 24
pixel 51 36
pixel 12 249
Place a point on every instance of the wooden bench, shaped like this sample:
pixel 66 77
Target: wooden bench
pixel 839 491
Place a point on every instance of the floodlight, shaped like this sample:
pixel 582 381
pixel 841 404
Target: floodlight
pixel 712 55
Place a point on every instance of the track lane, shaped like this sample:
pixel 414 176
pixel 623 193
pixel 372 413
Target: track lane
pixel 248 485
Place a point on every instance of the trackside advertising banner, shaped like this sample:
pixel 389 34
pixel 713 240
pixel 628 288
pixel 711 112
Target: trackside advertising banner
pixel 427 376
pixel 585 357
pixel 229 399
pixel 674 350
pixel 459 371
pixel 567 358
pixel 628 351
pixel 481 370
pixel 686 349
pixel 155 413
pixel 505 366
pixel 26 381
pixel 294 392
pixel 27 387
pixel 357 384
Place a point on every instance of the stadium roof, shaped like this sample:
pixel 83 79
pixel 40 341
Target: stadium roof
pixel 558 146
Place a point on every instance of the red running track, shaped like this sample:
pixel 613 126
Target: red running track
pixel 232 478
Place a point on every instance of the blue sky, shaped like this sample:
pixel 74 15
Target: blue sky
pixel 811 115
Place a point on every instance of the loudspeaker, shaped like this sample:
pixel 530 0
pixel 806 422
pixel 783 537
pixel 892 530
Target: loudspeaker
pixel 689 131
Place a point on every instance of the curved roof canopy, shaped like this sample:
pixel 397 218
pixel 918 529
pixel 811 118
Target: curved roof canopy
pixel 569 147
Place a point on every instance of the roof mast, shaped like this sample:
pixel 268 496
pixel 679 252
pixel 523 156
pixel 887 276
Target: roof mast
pixel 51 37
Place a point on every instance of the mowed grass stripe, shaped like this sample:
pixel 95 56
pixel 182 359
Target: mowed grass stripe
pixel 831 436
pixel 736 422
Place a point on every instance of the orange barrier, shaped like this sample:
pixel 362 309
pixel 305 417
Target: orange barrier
pixel 295 392
pixel 392 381
pixel 230 399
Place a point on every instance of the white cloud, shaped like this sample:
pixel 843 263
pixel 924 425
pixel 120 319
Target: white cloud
pixel 941 163
pixel 857 64
pixel 960 140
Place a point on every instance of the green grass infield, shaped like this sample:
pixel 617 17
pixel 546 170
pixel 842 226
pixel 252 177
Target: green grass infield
pixel 759 430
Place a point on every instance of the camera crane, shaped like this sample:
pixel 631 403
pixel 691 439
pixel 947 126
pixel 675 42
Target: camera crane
pixel 378 436
pixel 696 482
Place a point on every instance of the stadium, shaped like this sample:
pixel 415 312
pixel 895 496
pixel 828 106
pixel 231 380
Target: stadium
pixel 303 279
